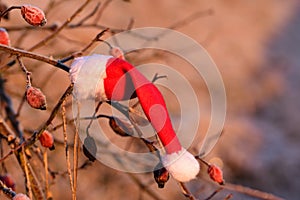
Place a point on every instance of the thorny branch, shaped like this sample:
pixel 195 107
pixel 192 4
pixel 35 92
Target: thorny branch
pixel 59 29
pixel 35 56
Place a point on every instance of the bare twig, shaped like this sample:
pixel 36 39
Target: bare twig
pixel 251 192
pixel 12 151
pixel 144 187
pixel 11 115
pixel 70 26
pixel 79 53
pixel 228 197
pixel 186 192
pixel 58 30
pixel 8 10
pixel 192 17
pixel 24 69
pixel 86 17
pixel 23 53
pixel 101 10
pixel 214 193
pixel 21 105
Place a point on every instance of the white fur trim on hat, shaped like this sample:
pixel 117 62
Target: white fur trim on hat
pixel 181 165
pixel 87 73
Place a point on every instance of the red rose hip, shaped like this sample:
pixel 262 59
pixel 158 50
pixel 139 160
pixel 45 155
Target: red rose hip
pixel 36 98
pixel 216 174
pixel 33 15
pixel 4 38
pixel 47 140
pixel 8 181
pixel 161 175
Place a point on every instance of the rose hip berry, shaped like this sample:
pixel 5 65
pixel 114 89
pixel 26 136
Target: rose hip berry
pixel 216 174
pixel 36 98
pixel 47 140
pixel 161 176
pixel 33 15
pixel 90 148
pixel 120 127
pixel 4 37
pixel 8 181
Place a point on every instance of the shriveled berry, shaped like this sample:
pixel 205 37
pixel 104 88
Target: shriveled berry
pixel 216 174
pixel 20 196
pixel 33 15
pixel 161 175
pixel 4 37
pixel 47 140
pixel 36 98
pixel 8 181
pixel 120 127
pixel 90 148
pixel 138 117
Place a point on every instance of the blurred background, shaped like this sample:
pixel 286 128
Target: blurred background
pixel 255 45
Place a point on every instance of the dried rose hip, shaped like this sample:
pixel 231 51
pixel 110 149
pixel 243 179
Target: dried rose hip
pixel 90 148
pixel 8 181
pixel 120 127
pixel 47 140
pixel 33 15
pixel 36 98
pixel 216 174
pixel 4 38
pixel 161 175
pixel 20 196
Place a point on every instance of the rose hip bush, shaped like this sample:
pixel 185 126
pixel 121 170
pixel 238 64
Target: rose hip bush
pixel 36 92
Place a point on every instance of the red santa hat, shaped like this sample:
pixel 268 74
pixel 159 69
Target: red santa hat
pixel 119 80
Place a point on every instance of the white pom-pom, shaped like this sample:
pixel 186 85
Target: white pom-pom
pixel 181 165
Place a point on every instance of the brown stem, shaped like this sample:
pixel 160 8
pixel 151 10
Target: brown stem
pixel 57 31
pixel 251 192
pixel 24 53
pixel 10 112
pixel 24 69
pixel 79 53
pixel 86 17
pixel 144 187
pixel 214 193
pixel 99 15
pixel 8 10
pixel 186 192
